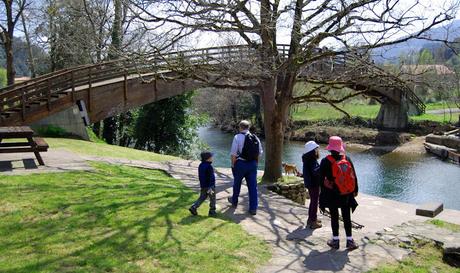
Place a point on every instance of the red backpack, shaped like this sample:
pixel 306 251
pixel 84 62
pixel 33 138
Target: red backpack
pixel 344 175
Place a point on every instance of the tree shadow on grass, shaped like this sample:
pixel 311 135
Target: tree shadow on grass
pixel 103 223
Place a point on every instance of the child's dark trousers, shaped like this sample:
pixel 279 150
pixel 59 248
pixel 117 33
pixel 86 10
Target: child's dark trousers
pixel 204 194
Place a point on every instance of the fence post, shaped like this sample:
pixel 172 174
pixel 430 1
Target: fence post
pixel 23 103
pixel 48 95
pixel 125 86
pixel 89 89
pixel 73 86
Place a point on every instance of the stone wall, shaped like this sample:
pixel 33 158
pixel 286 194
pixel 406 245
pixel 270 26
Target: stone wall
pixel 293 191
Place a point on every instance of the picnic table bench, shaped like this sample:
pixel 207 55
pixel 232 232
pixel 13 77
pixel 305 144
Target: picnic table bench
pixel 33 144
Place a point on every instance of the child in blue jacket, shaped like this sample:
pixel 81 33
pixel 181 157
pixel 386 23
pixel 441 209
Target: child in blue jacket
pixel 207 185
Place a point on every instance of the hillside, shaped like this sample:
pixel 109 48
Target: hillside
pixel 21 58
pixel 392 53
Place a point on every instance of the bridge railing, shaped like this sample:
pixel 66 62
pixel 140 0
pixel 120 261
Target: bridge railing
pixel 42 88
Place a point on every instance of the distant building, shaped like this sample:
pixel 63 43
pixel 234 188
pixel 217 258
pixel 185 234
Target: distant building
pixel 439 69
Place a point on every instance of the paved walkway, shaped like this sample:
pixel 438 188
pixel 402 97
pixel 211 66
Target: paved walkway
pixel 56 160
pixel 280 222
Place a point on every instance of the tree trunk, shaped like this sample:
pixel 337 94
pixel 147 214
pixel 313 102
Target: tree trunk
pixel 275 117
pixel 109 131
pixel 258 112
pixel 110 125
pixel 10 71
pixel 31 62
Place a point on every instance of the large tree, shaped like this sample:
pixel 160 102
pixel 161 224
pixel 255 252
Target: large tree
pixel 11 12
pixel 346 25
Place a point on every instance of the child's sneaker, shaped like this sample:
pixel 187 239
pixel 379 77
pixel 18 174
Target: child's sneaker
pixel 212 214
pixel 193 211
pixel 335 244
pixel 351 245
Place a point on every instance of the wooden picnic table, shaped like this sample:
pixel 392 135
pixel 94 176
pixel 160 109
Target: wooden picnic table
pixel 35 145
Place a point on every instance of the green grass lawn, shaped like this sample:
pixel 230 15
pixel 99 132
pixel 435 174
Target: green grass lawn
pixel 105 150
pixel 316 112
pixel 446 225
pixel 324 111
pixel 115 219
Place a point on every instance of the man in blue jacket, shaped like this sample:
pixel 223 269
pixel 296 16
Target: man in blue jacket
pixel 207 185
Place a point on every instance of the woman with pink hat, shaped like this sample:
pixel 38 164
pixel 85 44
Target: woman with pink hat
pixel 339 187
pixel 311 179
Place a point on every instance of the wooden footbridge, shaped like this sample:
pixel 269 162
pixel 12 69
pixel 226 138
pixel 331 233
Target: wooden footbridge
pixel 113 87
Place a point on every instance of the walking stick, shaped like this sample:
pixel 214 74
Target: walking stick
pixel 354 225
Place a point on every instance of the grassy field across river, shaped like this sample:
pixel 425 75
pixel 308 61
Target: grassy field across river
pixel 316 112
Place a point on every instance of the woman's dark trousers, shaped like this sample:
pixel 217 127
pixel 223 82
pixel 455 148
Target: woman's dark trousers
pixel 313 207
pixel 346 215
pixel 204 194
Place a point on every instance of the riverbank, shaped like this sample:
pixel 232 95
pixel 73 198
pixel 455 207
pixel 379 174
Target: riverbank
pixel 362 131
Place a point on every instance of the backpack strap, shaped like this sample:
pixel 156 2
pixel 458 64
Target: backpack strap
pixel 331 159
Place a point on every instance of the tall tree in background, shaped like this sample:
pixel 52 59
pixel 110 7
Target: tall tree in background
pixel 110 124
pixel 350 26
pixel 11 11
pixel 31 59
pixel 166 126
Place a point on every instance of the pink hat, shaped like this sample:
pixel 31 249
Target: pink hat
pixel 335 144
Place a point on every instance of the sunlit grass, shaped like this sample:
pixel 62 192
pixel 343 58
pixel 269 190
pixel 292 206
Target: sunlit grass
pixel 315 112
pixel 115 219
pixel 105 150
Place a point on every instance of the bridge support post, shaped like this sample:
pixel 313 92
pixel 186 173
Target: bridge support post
pixel 393 116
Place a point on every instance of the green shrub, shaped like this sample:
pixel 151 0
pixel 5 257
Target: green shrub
pixel 93 137
pixel 52 131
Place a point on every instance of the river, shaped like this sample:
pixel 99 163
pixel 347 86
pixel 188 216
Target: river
pixel 411 178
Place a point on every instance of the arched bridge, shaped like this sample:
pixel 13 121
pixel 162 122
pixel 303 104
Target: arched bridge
pixel 113 87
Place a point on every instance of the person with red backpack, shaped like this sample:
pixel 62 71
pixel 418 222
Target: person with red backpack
pixel 339 187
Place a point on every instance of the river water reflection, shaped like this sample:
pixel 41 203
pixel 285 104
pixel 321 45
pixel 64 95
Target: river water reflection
pixel 409 178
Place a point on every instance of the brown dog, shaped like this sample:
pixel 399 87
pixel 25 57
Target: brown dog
pixel 290 168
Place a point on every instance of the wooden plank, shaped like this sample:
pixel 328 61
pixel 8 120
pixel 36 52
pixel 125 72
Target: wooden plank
pixel 15 132
pixel 13 144
pixel 35 150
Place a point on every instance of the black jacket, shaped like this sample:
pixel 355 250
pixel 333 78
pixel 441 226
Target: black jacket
pixel 331 197
pixel 206 175
pixel 311 174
